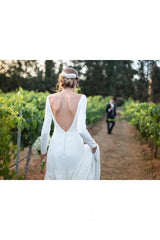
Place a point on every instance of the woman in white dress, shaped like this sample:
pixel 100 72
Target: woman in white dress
pixel 72 153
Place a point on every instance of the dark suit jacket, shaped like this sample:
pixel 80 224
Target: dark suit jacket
pixel 112 113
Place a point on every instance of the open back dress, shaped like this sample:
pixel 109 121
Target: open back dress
pixel 69 155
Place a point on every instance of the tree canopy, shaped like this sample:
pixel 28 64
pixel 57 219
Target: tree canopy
pixel 118 78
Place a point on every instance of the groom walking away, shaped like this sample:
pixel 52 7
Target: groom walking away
pixel 110 114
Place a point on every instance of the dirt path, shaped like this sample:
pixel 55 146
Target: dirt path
pixel 122 155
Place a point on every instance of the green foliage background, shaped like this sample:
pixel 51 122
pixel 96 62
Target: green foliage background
pixel 145 117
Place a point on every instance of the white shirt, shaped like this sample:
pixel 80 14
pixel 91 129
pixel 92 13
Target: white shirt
pixel 112 105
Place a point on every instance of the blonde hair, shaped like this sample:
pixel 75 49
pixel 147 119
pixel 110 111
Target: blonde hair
pixel 64 82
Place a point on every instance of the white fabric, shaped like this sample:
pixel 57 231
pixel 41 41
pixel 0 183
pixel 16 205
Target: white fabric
pixel 68 75
pixel 112 105
pixel 68 157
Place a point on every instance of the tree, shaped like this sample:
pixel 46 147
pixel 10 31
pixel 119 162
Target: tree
pixel 141 84
pixel 123 76
pixel 16 73
pixel 155 86
pixel 50 76
pixel 107 77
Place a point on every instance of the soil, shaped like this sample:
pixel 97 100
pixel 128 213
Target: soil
pixel 124 155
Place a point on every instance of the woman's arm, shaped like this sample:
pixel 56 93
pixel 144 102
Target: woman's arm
pixel 81 126
pixel 46 128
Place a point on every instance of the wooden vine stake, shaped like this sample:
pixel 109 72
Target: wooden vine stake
pixel 18 144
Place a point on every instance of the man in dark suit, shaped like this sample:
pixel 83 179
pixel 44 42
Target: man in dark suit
pixel 110 115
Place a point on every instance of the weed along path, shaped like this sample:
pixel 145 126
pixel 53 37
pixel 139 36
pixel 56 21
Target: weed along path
pixel 123 156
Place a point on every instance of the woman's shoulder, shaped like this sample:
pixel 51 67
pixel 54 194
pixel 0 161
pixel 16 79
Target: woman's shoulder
pixel 81 95
pixel 53 95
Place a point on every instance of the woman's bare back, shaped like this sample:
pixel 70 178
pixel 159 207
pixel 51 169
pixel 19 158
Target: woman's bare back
pixel 64 106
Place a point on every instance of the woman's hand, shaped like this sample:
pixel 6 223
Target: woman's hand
pixel 94 149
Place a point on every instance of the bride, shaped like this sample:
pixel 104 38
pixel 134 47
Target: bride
pixel 72 153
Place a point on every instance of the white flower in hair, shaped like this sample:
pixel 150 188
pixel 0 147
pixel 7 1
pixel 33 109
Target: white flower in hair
pixel 69 75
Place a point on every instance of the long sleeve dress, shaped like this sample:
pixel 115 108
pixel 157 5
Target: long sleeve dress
pixel 68 158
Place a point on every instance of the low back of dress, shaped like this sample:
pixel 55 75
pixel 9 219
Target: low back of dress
pixel 64 111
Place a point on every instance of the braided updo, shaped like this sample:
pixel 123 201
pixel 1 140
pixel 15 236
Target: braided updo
pixel 64 82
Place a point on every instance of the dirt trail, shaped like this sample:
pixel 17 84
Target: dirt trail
pixel 122 155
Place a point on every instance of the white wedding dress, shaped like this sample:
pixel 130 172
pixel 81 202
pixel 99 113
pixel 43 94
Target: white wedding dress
pixel 68 157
